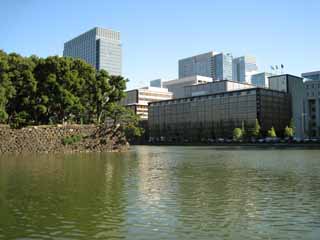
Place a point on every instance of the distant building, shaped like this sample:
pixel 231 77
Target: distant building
pixel 156 83
pixel 313 107
pixel 312 75
pixel 217 66
pixel 222 67
pixel 138 99
pixel 176 86
pixel 99 47
pixel 295 87
pixel 243 68
pixel 261 79
pixel 215 87
pixel 216 115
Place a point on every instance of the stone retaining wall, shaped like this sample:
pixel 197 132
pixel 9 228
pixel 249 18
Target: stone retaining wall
pixel 50 139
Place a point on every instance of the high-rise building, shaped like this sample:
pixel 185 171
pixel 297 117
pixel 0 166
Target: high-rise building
pixel 99 47
pixel 222 67
pixel 243 68
pixel 312 75
pixel 217 66
pixel 261 79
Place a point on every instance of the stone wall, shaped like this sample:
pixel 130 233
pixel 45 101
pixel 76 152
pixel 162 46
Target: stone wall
pixel 47 139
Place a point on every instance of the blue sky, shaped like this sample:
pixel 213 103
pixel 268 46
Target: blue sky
pixel 155 34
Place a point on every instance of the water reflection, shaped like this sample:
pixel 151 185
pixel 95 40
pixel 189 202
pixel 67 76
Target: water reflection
pixel 161 193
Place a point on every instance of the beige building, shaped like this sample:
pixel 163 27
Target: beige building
pixel 176 86
pixel 138 99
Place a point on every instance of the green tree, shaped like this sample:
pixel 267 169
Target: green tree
pixel 124 120
pixel 272 133
pixel 6 87
pixel 288 132
pixel 256 129
pixel 22 101
pixel 118 86
pixel 237 133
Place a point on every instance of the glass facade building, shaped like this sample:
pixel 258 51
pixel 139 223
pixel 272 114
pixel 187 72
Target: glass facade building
pixel 217 66
pixel 99 47
pixel 243 68
pixel 216 115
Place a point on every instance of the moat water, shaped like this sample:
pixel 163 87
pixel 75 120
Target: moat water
pixel 162 193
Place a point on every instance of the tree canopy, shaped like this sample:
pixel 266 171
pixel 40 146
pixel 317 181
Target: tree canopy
pixel 55 90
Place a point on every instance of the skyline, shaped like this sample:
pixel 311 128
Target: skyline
pixel 156 36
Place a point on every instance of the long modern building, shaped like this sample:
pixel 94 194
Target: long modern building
pixel 217 66
pixel 243 68
pixel 99 47
pixel 216 115
pixel 138 99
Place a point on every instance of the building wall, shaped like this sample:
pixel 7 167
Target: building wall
pixel 243 68
pixel 138 99
pixel 214 87
pixel 261 79
pixel 196 65
pixel 83 47
pixel 177 86
pixel 216 115
pixel 222 67
pixel 99 47
pixel 295 87
pixel 215 65
pixel 313 107
pixel 312 75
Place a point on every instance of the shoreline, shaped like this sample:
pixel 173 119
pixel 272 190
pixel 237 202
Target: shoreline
pixel 60 139
pixel 307 146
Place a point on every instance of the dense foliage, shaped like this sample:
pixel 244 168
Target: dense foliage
pixel 56 90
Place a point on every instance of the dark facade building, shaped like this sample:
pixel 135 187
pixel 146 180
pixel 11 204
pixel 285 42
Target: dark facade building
pixel 216 115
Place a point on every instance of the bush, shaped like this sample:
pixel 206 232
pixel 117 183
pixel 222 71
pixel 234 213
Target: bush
pixel 69 140
pixel 237 133
pixel 272 133
pixel 20 120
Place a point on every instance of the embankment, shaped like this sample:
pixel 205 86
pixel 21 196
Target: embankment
pixel 61 138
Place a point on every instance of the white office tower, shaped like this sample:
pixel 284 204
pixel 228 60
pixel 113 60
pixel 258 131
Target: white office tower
pixel 99 47
pixel 217 66
pixel 243 68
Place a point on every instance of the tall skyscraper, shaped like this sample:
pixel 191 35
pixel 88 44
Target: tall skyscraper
pixel 99 47
pixel 217 66
pixel 243 68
